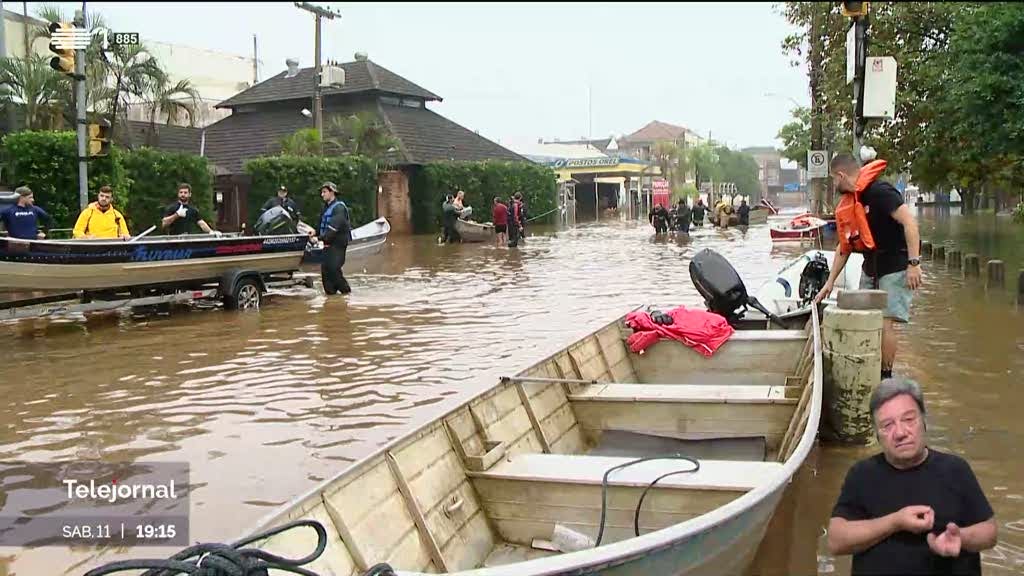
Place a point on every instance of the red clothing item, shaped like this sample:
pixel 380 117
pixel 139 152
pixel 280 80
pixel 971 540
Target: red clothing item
pixel 500 215
pixel 701 330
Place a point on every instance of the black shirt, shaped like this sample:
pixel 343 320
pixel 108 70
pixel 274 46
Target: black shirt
pixel 182 225
pixel 946 483
pixel 880 200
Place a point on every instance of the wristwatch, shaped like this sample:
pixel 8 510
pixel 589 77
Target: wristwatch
pixel 914 261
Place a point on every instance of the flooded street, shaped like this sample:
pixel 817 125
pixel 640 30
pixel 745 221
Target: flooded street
pixel 265 405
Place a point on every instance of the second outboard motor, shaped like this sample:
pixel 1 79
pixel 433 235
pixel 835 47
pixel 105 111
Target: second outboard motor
pixel 813 277
pixel 722 288
pixel 276 221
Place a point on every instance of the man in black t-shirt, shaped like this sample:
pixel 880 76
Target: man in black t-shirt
pixel 895 264
pixel 181 217
pixel 910 509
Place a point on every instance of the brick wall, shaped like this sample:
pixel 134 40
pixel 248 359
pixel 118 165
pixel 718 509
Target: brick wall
pixel 393 201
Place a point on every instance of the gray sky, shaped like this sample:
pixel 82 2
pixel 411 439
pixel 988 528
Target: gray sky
pixel 519 72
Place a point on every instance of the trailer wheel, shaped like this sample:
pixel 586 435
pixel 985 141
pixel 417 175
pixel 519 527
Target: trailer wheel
pixel 246 295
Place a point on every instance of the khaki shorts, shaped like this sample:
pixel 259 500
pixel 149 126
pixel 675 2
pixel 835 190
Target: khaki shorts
pixel 900 295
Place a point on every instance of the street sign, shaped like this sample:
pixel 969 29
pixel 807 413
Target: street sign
pixel 817 164
pixel 880 87
pixel 851 52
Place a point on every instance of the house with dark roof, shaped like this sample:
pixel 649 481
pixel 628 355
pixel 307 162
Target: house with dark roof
pixel 640 144
pixel 262 115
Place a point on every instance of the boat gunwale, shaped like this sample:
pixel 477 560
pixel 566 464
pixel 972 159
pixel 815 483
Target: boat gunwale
pixel 616 553
pixel 185 238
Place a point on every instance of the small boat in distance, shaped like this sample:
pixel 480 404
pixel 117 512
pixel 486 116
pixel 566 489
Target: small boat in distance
pixel 788 295
pixel 471 231
pixel 802 227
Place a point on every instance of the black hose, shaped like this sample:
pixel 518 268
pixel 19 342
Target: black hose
pixel 636 516
pixel 224 560
pixel 380 570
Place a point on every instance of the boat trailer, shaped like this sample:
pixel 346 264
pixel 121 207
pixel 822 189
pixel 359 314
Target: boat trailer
pixel 237 290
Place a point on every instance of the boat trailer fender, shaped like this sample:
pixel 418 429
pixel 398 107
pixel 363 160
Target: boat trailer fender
pixel 229 280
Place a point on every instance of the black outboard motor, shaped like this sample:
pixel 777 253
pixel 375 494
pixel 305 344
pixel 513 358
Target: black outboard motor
pixel 722 288
pixel 813 278
pixel 276 221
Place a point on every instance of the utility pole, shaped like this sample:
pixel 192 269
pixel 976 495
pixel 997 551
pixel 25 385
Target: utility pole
pixel 861 35
pixel 83 165
pixel 817 102
pixel 255 65
pixel 319 13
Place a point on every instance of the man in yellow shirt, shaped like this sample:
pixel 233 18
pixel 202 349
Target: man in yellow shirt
pixel 101 220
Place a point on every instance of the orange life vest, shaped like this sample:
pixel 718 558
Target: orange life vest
pixel 851 218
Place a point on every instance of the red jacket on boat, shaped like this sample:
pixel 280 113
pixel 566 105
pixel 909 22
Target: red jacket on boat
pixel 701 330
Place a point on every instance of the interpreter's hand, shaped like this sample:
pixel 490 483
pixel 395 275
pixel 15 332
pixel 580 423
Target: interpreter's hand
pixel 946 544
pixel 915 519
pixel 182 211
pixel 825 291
pixel 913 277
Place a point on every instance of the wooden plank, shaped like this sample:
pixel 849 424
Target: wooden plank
pixel 631 393
pixel 351 544
pixel 525 399
pixel 667 361
pixel 589 470
pixel 416 513
pixel 788 437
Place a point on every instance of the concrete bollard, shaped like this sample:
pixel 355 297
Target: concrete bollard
pixel 926 249
pixel 953 259
pixel 852 358
pixel 939 253
pixel 1020 288
pixel 972 266
pixel 996 273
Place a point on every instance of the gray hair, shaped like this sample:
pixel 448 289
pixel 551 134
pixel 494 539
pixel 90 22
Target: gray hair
pixel 891 388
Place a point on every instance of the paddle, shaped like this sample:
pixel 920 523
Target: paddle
pixel 148 230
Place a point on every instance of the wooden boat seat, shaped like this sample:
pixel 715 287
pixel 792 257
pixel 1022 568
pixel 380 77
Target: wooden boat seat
pixel 689 393
pixel 588 470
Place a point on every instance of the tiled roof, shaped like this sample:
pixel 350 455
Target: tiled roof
pixel 426 136
pixel 656 131
pixel 360 76
pixel 162 137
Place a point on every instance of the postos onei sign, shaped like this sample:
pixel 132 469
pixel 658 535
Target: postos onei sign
pixel 584 162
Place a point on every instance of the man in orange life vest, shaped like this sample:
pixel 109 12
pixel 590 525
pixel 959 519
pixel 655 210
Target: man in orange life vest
pixel 872 218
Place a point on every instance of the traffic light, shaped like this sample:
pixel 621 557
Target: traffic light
pixel 99 140
pixel 64 62
pixel 855 9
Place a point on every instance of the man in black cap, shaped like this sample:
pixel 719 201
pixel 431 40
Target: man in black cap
pixel 281 199
pixel 335 230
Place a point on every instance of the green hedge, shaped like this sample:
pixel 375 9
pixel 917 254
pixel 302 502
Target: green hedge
pixel 155 177
pixel 144 180
pixel 47 162
pixel 481 181
pixel 355 176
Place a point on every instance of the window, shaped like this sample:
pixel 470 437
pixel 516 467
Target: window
pixel 412 103
pixel 389 100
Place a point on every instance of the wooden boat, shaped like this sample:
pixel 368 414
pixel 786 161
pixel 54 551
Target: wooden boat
pixel 782 295
pixel 471 231
pixel 102 264
pixel 367 241
pixel 479 491
pixel 803 227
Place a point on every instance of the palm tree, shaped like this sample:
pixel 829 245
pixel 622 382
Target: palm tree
pixel 31 83
pixel 130 72
pixel 362 134
pixel 304 142
pixel 172 99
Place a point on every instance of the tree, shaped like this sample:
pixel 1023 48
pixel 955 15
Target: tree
pixel 361 134
pixel 131 73
pixel 304 142
pixel 796 136
pixel 32 84
pixel 705 162
pixel 741 169
pixel 172 99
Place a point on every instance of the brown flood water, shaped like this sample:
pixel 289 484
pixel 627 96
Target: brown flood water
pixel 265 405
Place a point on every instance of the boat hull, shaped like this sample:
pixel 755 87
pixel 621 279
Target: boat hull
pixel 367 242
pixel 809 233
pixel 474 231
pixel 97 265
